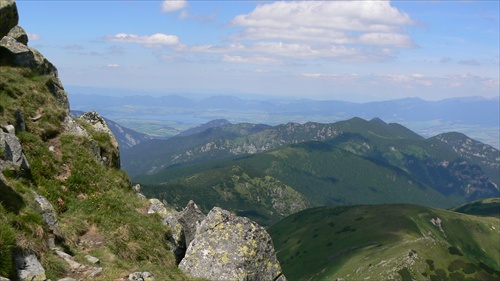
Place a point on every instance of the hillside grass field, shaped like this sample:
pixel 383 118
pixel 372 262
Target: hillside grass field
pixel 387 242
pixel 94 202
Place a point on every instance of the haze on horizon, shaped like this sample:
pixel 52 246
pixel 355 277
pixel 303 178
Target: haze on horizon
pixel 343 50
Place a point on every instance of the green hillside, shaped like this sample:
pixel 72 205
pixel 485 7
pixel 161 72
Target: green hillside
pixel 320 173
pixel 387 242
pixel 363 162
pixel 241 139
pixel 86 193
pixel 485 207
pixel 155 155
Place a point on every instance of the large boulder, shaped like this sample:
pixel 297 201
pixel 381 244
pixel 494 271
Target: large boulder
pixel 110 157
pixel 11 152
pixel 19 35
pixel 8 16
pixel 190 218
pixel 184 226
pixel 29 268
pixel 228 247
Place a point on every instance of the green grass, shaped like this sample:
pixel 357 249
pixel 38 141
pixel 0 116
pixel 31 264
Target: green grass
pixel 23 90
pixel 87 195
pixel 264 199
pixel 484 207
pixel 319 172
pixel 386 242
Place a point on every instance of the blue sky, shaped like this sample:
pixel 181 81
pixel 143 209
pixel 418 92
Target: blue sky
pixel 345 50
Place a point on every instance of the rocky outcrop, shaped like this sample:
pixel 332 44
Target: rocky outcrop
pixel 73 128
pixel 15 51
pixel 111 157
pixel 19 34
pixel 8 16
pixel 182 224
pixel 11 153
pixel 228 247
pixel 156 207
pixel 190 219
pixel 47 211
pixel 29 268
pixel 88 272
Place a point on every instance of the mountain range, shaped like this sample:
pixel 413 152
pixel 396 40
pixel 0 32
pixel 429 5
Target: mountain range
pixel 255 170
pixel 171 114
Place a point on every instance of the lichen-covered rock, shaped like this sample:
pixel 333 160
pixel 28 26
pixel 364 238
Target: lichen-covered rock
pixel 29 268
pixel 8 16
pixel 156 207
pixel 111 158
pixel 190 218
pixel 228 247
pixel 11 152
pixel 48 212
pixel 19 34
pixel 183 225
pixel 141 276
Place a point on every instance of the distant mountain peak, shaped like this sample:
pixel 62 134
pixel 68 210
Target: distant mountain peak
pixel 378 120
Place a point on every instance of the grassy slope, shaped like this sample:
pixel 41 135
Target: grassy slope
pixel 383 242
pixel 89 197
pixel 323 174
pixel 262 198
pixel 485 207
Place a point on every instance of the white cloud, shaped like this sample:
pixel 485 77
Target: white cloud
pixel 168 6
pixel 335 22
pixel 155 40
pixel 251 59
pixel 113 65
pixel 33 36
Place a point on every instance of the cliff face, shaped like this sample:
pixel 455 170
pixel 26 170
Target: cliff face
pixel 66 210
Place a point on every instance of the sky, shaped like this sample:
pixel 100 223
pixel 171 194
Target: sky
pixel 336 50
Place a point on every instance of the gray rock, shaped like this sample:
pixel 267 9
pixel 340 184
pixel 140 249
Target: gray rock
pixel 73 128
pixel 228 247
pixel 29 268
pixel 4 279
pixel 8 16
pixel 10 129
pixel 19 35
pixel 156 207
pixel 190 218
pixel 141 196
pixel 110 158
pixel 136 188
pixel 92 259
pixel 12 151
pixel 67 279
pixel 48 212
pixel 141 276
